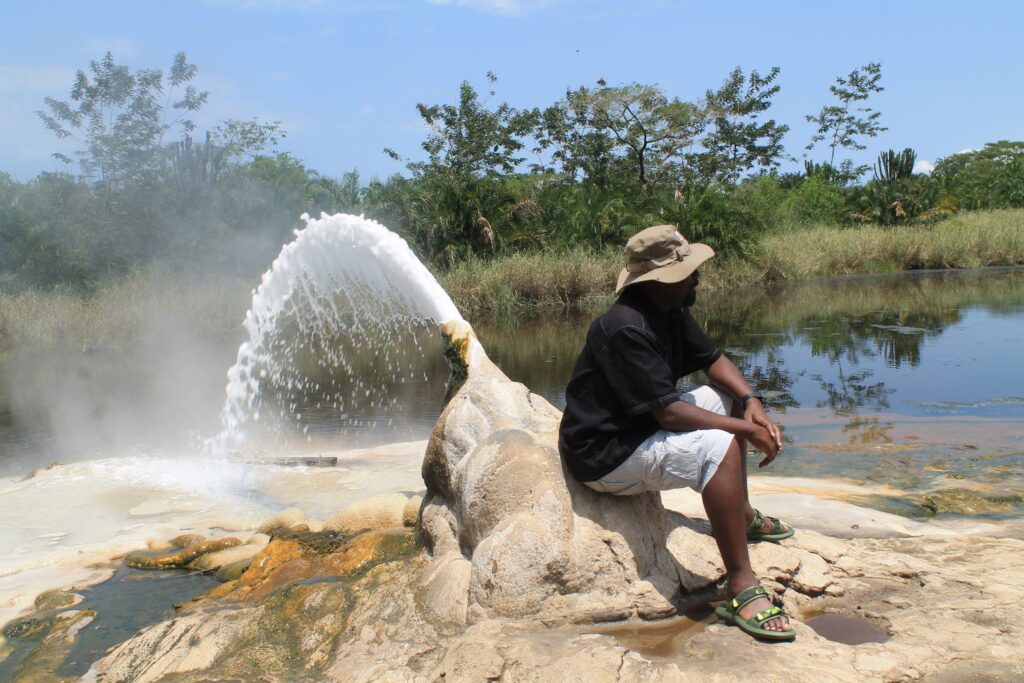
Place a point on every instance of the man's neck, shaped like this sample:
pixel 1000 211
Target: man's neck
pixel 651 294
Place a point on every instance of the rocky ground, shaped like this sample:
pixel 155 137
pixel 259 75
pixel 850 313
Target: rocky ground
pixel 329 606
pixel 506 570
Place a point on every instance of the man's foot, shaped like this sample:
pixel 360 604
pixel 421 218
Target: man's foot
pixel 753 612
pixel 763 528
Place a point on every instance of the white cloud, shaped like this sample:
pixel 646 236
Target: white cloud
pixel 924 166
pixel 508 7
pixel 119 47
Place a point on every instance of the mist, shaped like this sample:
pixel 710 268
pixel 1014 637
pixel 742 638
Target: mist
pixel 156 396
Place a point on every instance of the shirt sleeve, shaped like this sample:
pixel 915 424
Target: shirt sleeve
pixel 698 349
pixel 636 372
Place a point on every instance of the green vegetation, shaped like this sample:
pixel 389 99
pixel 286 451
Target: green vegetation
pixel 116 314
pixel 511 207
pixel 499 288
pixel 521 281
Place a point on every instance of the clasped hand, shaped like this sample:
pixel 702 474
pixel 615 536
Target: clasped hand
pixel 767 436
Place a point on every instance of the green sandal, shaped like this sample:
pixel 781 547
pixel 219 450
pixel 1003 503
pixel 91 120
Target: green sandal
pixel 730 611
pixel 756 532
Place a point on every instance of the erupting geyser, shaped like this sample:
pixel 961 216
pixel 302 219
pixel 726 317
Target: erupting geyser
pixel 347 304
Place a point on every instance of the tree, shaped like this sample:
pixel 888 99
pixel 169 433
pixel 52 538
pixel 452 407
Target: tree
pixel 651 130
pixel 460 188
pixel 469 140
pixel 989 178
pixel 577 148
pixel 737 142
pixel 121 118
pixel 842 124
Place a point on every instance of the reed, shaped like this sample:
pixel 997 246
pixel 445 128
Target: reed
pixel 968 240
pixel 119 313
pixel 516 283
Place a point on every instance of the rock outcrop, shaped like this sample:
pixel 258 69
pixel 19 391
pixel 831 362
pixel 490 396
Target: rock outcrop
pixel 511 534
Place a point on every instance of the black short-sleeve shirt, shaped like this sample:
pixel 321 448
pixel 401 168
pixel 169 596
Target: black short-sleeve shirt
pixel 633 358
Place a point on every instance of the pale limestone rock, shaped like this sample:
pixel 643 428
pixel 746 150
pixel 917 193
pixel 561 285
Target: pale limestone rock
pixel 378 512
pixel 774 561
pixel 221 558
pixel 695 550
pixel 286 518
pixel 258 540
pixel 446 589
pixel 411 511
pixel 813 576
pixel 498 494
pixel 183 644
pixel 828 548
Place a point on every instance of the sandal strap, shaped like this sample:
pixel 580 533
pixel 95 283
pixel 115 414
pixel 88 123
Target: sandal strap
pixel 768 614
pixel 757 522
pixel 748 596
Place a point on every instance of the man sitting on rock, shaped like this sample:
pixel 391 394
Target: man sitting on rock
pixel 626 429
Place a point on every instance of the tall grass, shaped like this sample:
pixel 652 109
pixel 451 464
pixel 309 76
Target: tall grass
pixel 510 284
pixel 577 278
pixel 118 313
pixel 969 240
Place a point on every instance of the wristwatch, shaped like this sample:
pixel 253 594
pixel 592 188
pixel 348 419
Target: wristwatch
pixel 753 394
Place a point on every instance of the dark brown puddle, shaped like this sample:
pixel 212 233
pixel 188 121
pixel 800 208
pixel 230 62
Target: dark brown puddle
pixel 846 629
pixel 663 638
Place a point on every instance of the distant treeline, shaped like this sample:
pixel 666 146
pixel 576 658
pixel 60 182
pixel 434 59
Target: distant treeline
pixel 583 173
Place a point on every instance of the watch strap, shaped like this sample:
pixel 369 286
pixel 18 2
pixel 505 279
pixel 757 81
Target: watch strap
pixel 753 394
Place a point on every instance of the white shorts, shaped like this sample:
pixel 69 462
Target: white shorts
pixel 672 460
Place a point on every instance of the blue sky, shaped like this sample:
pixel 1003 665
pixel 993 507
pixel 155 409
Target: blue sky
pixel 344 76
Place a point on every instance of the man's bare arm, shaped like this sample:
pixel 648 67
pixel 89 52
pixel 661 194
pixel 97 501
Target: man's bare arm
pixel 725 375
pixel 683 417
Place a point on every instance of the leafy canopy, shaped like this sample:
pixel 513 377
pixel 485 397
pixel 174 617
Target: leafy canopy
pixel 121 117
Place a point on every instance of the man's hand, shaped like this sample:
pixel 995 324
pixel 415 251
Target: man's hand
pixel 760 438
pixel 754 412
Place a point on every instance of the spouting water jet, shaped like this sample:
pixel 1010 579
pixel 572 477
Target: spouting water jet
pixel 336 299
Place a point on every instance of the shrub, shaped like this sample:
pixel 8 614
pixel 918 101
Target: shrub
pixel 816 200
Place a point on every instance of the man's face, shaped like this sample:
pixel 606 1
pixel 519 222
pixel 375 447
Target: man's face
pixel 684 293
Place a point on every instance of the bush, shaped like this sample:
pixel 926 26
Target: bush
pixel 991 178
pixel 816 200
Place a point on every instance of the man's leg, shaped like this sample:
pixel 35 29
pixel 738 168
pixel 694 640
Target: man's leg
pixel 725 499
pixel 748 510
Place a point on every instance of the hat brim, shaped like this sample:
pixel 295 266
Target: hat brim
pixel 670 274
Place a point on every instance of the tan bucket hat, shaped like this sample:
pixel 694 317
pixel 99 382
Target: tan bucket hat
pixel 660 253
